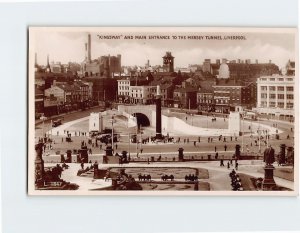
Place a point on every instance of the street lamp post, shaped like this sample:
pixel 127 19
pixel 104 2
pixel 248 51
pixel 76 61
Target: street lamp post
pixel 137 141
pixel 242 132
pixel 43 118
pixel 112 132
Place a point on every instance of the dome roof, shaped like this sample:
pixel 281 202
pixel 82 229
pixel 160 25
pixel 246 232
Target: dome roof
pixel 224 71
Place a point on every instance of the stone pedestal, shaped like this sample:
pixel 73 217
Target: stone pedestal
pixel 180 154
pixel 269 182
pixel 39 166
pixel 237 151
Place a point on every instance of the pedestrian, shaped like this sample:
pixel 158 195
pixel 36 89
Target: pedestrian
pixel 225 147
pixel 57 133
pixel 141 150
pixel 217 155
pixel 199 139
pixel 236 166
pixel 208 139
pixel 62 139
pixel 116 146
pixel 194 143
pixel 101 146
pixel 82 165
pixel 231 161
pixel 211 139
pixel 215 149
pixel 228 165
pixel 221 163
pixel 231 138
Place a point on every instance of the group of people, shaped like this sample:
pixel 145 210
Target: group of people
pixel 235 181
pixel 191 177
pixel 144 177
pixel 229 164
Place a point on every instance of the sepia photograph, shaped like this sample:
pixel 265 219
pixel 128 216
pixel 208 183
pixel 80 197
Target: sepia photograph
pixel 162 111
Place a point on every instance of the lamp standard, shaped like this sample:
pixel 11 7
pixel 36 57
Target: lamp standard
pixel 112 132
pixel 242 132
pixel 43 118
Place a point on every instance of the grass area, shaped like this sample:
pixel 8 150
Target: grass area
pixel 247 182
pixel 157 172
pixel 286 173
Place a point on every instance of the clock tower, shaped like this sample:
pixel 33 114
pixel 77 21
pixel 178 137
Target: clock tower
pixel 168 62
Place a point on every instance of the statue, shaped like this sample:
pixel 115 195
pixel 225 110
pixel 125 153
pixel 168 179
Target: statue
pixel 269 156
pixel 269 159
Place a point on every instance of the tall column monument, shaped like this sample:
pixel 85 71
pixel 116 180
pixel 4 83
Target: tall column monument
pixel 158 113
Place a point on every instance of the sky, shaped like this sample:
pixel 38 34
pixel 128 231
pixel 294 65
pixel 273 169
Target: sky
pixel 65 45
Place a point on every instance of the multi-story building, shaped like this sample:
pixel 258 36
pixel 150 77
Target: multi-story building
pixel 81 92
pixel 142 94
pixel 185 97
pixel 241 70
pixel 275 96
pixel 39 100
pixel 104 66
pixel 228 94
pixel 167 94
pixel 124 88
pixel 290 68
pixel 205 100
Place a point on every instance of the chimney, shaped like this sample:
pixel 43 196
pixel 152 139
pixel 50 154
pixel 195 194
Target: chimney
pixel 89 47
pixel 218 61
pixel 256 61
pixel 239 61
pixel 224 60
pixel 270 61
pixel 86 51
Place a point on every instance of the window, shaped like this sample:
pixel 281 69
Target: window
pixel 289 105
pixel 271 88
pixel 264 95
pixel 290 88
pixel 263 103
pixel 263 88
pixel 272 96
pixel 280 88
pixel 280 105
pixel 272 104
pixel 290 97
pixel 280 96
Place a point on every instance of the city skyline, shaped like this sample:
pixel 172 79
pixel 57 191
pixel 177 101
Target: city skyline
pixel 256 46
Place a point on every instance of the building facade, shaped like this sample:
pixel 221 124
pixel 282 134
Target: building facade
pixel 205 100
pixel 142 94
pixel 275 96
